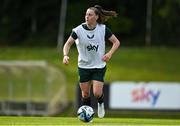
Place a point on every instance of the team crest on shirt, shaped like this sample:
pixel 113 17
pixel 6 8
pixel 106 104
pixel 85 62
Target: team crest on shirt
pixel 90 37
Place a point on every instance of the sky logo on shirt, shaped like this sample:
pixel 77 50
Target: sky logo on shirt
pixel 145 95
pixel 92 47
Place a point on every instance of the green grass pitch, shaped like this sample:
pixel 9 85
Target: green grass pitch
pixel 73 121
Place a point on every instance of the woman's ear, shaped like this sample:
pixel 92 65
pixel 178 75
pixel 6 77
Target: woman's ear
pixel 97 16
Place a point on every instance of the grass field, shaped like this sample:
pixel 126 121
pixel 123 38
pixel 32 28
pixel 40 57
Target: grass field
pixel 127 64
pixel 96 121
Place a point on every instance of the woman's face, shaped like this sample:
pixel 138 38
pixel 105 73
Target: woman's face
pixel 90 17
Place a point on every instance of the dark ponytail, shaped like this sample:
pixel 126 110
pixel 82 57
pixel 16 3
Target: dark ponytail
pixel 104 15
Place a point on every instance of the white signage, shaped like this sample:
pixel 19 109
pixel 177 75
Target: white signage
pixel 152 95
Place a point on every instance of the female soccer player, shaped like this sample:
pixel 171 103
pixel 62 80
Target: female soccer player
pixel 90 39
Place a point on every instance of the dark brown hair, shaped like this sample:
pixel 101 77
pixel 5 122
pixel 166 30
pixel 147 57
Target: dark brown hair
pixel 104 15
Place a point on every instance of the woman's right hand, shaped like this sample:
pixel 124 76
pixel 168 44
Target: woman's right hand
pixel 66 60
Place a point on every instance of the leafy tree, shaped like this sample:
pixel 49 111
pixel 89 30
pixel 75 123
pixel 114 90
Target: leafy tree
pixel 36 22
pixel 166 26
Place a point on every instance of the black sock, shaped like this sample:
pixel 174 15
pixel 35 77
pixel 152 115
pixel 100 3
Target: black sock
pixel 101 99
pixel 86 101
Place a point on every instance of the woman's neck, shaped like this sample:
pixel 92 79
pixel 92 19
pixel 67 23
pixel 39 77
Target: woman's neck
pixel 91 26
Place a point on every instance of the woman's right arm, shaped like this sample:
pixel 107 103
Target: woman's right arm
pixel 66 49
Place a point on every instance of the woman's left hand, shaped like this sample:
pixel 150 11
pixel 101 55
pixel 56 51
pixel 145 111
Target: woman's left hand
pixel 106 57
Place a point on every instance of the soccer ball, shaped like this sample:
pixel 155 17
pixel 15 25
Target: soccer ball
pixel 85 113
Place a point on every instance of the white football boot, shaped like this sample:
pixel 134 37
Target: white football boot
pixel 101 111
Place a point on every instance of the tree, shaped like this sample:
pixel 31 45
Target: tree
pixel 148 23
pixel 62 24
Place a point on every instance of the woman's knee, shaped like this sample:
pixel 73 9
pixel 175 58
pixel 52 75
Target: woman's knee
pixel 85 94
pixel 97 93
pixel 97 88
pixel 85 89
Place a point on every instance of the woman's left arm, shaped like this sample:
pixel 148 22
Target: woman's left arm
pixel 116 44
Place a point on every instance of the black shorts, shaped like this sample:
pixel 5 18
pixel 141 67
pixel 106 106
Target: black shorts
pixel 86 75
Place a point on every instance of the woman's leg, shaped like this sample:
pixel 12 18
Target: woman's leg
pixel 97 88
pixel 98 93
pixel 85 91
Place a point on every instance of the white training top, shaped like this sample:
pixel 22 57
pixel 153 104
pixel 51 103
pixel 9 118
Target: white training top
pixel 91 46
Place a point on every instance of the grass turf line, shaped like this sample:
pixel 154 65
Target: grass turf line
pixel 8 120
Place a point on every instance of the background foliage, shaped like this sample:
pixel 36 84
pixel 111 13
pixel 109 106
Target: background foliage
pixel 36 22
